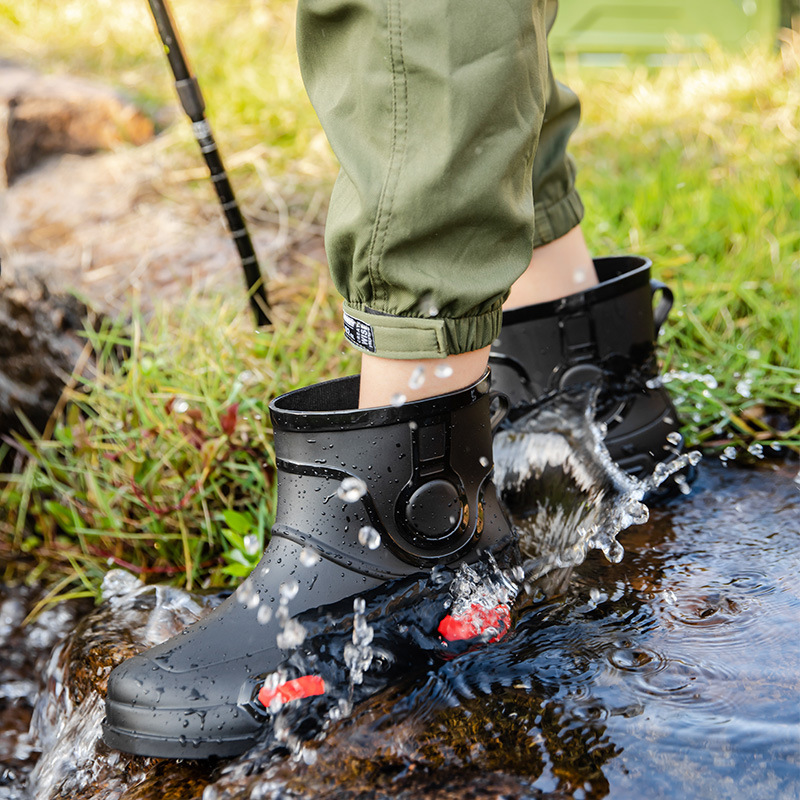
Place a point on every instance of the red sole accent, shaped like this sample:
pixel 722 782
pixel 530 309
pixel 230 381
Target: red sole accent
pixel 296 689
pixel 476 622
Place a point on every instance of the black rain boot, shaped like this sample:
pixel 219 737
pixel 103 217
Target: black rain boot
pixel 364 497
pixel 603 336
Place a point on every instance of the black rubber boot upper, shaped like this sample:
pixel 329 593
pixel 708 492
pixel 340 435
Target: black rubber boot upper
pixel 417 476
pixel 603 336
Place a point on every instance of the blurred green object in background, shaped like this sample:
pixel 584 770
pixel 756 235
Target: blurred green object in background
pixel 613 30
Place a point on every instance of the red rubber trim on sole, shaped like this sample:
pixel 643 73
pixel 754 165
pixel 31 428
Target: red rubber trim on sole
pixel 296 689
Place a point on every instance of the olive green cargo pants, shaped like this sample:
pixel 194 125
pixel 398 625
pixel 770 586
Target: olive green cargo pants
pixel 450 130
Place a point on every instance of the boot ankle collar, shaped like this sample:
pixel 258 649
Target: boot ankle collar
pixel 333 405
pixel 617 274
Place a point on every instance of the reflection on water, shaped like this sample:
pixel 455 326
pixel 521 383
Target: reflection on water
pixel 671 673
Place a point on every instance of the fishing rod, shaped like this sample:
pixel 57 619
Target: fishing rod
pixel 193 104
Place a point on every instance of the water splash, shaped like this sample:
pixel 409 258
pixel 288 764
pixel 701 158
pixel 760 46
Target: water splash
pixel 358 655
pixel 563 490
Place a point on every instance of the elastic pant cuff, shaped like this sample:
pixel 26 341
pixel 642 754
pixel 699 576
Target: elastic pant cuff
pixel 554 220
pixel 388 336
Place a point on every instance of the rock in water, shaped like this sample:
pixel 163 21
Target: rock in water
pixel 39 349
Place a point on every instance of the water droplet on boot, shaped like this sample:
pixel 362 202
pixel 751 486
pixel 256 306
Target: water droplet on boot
pixel 351 489
pixel 369 537
pixel 309 557
pixel 484 462
pixel 673 437
pixel 417 378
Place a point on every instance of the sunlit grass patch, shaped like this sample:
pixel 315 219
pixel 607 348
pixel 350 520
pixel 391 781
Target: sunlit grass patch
pixel 698 167
pixel 163 463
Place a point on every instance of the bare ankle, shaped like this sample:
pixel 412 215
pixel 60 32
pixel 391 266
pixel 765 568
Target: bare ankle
pixel 391 381
pixel 557 269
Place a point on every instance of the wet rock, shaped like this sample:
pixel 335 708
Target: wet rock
pixel 66 724
pixel 39 349
pixel 42 115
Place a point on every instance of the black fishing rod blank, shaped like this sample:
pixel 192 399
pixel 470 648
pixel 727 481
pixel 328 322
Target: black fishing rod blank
pixel 193 104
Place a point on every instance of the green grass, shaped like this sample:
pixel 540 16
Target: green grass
pixel 163 462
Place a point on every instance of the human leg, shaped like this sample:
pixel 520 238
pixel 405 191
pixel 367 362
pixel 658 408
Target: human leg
pixel 430 222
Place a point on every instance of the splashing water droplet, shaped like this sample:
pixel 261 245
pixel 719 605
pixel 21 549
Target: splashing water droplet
pixel 289 590
pixel 247 378
pixel 309 557
pixel 756 449
pixel 638 512
pixel 251 544
pixel 729 452
pixel 398 399
pixel 292 635
pixel 369 537
pixel 673 437
pixel 417 378
pixel 427 306
pixel 614 552
pixel 443 371
pixel 351 490
pixel 358 655
pixel 518 574
pixel 180 406
pixel 264 615
pixel 484 462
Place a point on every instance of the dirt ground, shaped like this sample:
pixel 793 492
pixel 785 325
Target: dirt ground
pixel 122 228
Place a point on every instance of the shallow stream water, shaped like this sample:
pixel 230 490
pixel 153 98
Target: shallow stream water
pixel 671 673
